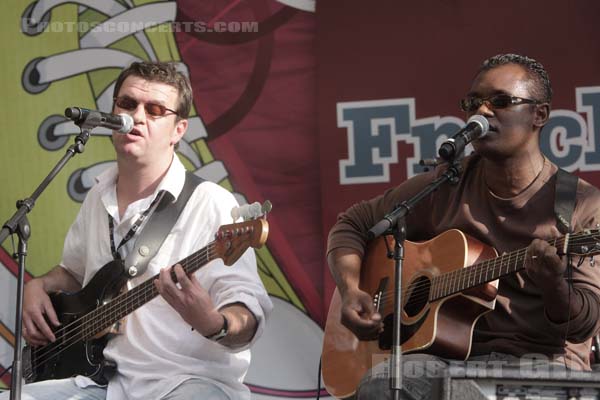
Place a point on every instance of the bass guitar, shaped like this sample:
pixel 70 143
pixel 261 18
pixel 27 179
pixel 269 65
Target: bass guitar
pixel 447 284
pixel 87 316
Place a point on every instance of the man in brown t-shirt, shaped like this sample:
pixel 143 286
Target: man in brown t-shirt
pixel 505 199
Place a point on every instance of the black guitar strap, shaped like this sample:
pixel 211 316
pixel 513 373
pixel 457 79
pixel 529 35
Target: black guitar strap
pixel 564 199
pixel 564 204
pixel 158 226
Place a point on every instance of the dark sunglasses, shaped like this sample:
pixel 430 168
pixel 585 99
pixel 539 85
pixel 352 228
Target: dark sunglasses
pixel 152 109
pixel 472 103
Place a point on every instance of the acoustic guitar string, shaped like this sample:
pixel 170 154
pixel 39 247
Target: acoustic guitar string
pixel 422 290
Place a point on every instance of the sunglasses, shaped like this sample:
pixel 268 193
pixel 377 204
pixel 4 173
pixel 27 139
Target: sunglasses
pixel 472 103
pixel 152 109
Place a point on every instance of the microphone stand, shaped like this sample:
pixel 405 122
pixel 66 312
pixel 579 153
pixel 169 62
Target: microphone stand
pixel 18 224
pixel 395 223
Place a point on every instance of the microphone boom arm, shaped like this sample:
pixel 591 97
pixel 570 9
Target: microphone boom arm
pixel 389 221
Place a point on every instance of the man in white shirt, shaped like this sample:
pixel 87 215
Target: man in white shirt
pixel 193 340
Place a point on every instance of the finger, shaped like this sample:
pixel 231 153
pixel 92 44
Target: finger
pixel 28 329
pixel 182 278
pixel 538 244
pixel 360 320
pixel 364 327
pixel 50 313
pixel 162 289
pixel 40 329
pixel 158 286
pixel 166 281
pixel 37 319
pixel 532 257
pixel 375 318
pixel 35 341
pixel 170 292
pixel 366 306
pixel 47 331
pixel 165 276
pixel 537 247
pixel 33 335
pixel 550 252
pixel 165 294
pixel 534 251
pixel 556 264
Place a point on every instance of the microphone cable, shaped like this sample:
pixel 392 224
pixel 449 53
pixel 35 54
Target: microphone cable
pixel 319 380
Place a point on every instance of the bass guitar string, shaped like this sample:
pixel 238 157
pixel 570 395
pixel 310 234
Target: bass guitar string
pixel 100 318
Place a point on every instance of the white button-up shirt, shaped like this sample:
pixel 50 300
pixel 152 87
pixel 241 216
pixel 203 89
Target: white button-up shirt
pixel 158 349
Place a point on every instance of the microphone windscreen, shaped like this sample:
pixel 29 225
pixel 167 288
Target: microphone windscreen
pixel 482 122
pixel 127 123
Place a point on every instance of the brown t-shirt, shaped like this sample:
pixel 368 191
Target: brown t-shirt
pixel 518 325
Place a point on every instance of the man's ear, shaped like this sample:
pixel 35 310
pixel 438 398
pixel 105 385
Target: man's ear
pixel 542 113
pixel 180 129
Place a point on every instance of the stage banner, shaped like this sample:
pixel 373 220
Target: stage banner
pixel 252 130
pixel 311 106
pixel 390 76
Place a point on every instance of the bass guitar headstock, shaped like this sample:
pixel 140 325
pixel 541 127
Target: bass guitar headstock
pixel 231 241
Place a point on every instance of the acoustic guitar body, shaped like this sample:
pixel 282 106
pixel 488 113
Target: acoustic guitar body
pixel 442 327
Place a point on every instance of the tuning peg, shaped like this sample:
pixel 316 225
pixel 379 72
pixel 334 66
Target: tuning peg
pixel 246 211
pixel 267 206
pixel 251 211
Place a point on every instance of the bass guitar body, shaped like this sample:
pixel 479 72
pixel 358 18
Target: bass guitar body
pixel 89 316
pixel 79 353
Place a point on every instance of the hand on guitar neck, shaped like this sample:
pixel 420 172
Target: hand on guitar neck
pixel 547 269
pixel 187 296
pixel 191 300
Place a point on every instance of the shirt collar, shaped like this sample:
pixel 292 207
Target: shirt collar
pixel 172 182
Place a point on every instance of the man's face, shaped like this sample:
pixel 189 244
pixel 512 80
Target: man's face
pixel 153 137
pixel 512 129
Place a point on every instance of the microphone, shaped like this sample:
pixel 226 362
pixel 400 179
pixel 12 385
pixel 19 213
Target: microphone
pixel 477 126
pixel 247 211
pixel 122 123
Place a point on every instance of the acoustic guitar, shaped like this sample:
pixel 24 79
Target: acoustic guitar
pixel 448 282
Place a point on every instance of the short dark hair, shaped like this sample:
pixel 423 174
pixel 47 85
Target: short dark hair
pixel 541 90
pixel 163 72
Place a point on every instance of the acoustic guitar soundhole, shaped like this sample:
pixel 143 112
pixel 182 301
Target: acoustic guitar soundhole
pixel 417 295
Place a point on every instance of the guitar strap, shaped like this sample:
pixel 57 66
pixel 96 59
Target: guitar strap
pixel 564 199
pixel 158 226
pixel 564 204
